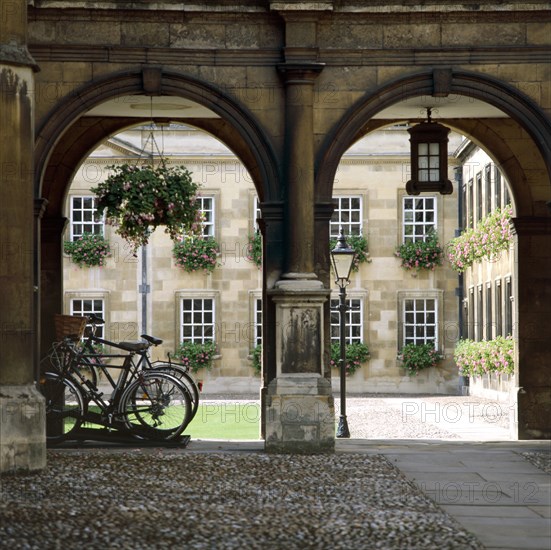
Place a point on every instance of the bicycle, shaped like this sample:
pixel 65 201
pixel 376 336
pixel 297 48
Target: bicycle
pixel 179 371
pixel 147 404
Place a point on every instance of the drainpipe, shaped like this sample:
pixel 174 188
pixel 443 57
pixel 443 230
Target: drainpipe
pixel 144 290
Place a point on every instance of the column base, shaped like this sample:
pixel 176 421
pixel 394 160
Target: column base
pixel 22 429
pixel 300 415
pixel 534 412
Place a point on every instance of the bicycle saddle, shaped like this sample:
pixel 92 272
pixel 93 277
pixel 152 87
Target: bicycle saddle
pixel 133 346
pixel 151 339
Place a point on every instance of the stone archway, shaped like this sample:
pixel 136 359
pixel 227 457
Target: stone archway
pixel 67 136
pixel 522 147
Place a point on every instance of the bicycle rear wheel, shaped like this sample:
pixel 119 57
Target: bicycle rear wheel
pixel 156 406
pixel 65 407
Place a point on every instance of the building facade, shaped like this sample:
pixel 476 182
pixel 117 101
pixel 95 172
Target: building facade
pixel 148 292
pixel 488 286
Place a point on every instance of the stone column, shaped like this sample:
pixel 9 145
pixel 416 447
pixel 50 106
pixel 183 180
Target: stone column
pixel 531 330
pixel 22 423
pixel 299 404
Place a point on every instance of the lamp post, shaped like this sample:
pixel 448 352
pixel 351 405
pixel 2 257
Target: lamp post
pixel 342 257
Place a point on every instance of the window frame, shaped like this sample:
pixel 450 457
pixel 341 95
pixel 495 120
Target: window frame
pixel 193 294
pixel 334 226
pixel 498 307
pixel 414 224
pixel 73 235
pixel 488 315
pixel 435 294
pixel 354 296
pixel 103 296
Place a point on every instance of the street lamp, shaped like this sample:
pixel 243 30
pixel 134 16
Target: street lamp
pixel 342 257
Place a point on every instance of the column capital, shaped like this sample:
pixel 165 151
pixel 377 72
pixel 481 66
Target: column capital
pixel 40 206
pixel 323 210
pixel 533 225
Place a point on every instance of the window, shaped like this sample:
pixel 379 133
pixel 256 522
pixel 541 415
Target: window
pixel 489 317
pixel 257 213
pixel 197 320
pixel 488 189
pixel 479 314
pixel 497 188
pixel 470 309
pixel 506 195
pixel 207 209
pixel 83 211
pixel 419 218
pixel 498 308
pixel 470 206
pixel 464 207
pixel 479 204
pixel 347 215
pixel 429 161
pixel 85 306
pixel 258 321
pixel 508 297
pixel 354 321
pixel 420 321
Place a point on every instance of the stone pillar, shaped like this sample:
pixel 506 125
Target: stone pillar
pixel 299 411
pixel 531 330
pixel 22 423
pixel 51 277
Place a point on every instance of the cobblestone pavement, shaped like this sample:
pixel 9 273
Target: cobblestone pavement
pixel 389 486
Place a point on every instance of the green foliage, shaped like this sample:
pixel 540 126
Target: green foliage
pixel 138 199
pixel 196 355
pixel 257 359
pixel 356 354
pixel 419 255
pixel 193 253
pixel 417 357
pixel 88 251
pixel 478 358
pixel 492 235
pixel 359 244
pixel 254 248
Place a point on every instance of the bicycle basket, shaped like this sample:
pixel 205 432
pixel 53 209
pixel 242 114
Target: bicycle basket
pixel 69 325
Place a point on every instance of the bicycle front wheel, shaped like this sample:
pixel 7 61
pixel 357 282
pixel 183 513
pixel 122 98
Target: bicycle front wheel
pixel 183 376
pixel 156 406
pixel 65 407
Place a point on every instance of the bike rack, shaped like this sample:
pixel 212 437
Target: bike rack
pixel 88 437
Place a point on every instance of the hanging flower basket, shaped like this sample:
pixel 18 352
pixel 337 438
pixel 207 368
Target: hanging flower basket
pixel 138 199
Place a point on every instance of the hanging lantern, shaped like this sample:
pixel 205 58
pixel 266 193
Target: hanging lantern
pixel 429 158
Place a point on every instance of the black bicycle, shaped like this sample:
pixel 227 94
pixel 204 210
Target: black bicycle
pixel 151 404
